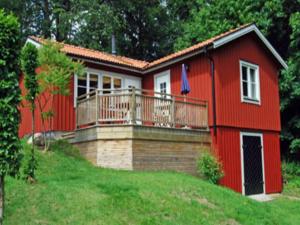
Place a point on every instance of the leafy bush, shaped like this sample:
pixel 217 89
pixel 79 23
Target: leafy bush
pixel 290 170
pixel 210 168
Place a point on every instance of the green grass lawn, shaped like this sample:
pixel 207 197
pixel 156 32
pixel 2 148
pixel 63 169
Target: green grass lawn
pixel 72 191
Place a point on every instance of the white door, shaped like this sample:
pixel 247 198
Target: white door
pixel 162 104
pixel 162 83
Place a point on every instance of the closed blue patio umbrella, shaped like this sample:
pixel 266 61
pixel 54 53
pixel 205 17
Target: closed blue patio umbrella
pixel 185 86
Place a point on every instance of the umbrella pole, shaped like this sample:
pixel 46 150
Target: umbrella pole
pixel 185 126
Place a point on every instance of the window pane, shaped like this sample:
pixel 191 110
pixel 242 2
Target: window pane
pixel 245 89
pixel 117 83
pixel 253 91
pixel 252 75
pixel 244 73
pixel 93 82
pixel 81 91
pixel 106 84
pixel 82 81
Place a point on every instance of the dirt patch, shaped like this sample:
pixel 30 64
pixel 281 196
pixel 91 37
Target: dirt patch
pixel 189 197
pixel 292 198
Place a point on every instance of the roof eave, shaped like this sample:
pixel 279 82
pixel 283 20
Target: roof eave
pixel 252 28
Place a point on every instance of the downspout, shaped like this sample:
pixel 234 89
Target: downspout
pixel 213 89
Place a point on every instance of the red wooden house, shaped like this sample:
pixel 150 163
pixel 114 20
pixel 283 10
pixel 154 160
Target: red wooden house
pixel 235 74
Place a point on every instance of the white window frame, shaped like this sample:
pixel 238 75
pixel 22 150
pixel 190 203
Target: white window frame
pixel 100 74
pixel 88 72
pixel 257 82
pixel 242 158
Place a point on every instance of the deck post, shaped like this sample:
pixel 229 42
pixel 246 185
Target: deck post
pixel 97 107
pixel 76 111
pixel 133 106
pixel 173 112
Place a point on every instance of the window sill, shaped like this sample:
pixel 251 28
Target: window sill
pixel 251 101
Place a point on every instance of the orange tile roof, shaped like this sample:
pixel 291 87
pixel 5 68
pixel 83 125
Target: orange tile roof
pixel 98 55
pixel 129 62
pixel 194 47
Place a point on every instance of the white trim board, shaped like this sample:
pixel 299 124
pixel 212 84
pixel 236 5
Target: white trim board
pixel 218 43
pixel 262 158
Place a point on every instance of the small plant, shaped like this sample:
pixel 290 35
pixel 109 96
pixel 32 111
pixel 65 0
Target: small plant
pixel 290 170
pixel 210 168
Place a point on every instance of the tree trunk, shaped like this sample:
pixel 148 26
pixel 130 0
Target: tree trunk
pixel 1 199
pixel 43 123
pixel 32 149
pixel 47 19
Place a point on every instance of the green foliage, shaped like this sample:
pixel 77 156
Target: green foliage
pixel 145 28
pixel 215 17
pixel 9 94
pixel 29 170
pixel 56 69
pixel 290 90
pixel 65 147
pixel 290 170
pixel 97 20
pixel 29 64
pixel 210 168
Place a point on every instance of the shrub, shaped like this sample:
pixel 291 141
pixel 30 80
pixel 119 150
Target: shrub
pixel 290 170
pixel 210 168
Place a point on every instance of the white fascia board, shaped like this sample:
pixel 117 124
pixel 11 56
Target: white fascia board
pixel 246 30
pixel 35 43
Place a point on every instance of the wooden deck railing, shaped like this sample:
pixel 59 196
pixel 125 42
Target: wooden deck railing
pixel 141 107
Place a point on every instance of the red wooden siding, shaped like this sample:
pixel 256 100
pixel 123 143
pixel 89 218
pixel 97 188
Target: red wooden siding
pixel 228 149
pixel 230 110
pixel 198 75
pixel 64 111
pixel 227 146
pixel 234 116
pixel 64 119
pixel 25 125
pixel 272 162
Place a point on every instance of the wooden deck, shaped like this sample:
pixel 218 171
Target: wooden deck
pixel 140 107
pixel 136 129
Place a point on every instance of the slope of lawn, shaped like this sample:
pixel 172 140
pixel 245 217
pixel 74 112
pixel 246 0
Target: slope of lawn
pixel 72 191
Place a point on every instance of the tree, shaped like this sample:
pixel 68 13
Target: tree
pixel 290 91
pixel 29 64
pixel 145 28
pixel 56 70
pixel 9 100
pixel 215 17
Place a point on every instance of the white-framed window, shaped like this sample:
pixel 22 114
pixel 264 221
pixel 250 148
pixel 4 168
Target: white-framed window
pixel 87 83
pixel 97 79
pixel 250 87
pixel 111 83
